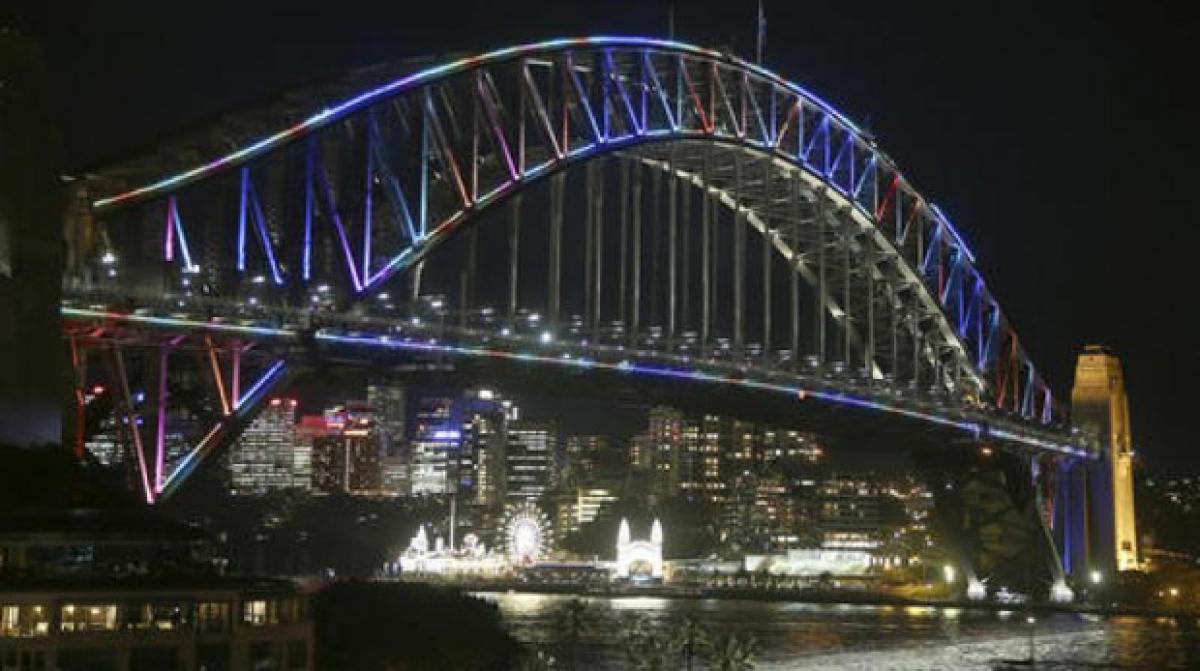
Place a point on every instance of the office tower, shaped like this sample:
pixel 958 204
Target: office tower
pixel 395 475
pixel 480 464
pixel 325 470
pixel 578 506
pixel 581 459
pixel 346 456
pixel 389 403
pixel 436 441
pixel 705 442
pixel 665 433
pixel 848 512
pixel 529 462
pixel 263 459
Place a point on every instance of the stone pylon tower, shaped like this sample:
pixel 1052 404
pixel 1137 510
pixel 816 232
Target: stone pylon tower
pixel 1099 406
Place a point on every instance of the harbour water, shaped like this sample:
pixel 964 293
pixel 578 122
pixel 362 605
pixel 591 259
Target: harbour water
pixel 824 636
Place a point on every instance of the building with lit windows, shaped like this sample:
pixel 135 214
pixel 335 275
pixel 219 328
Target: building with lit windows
pixel 395 476
pixel 582 457
pixel 389 404
pixel 346 452
pixel 701 464
pixel 479 466
pixel 93 589
pixel 529 462
pixel 582 505
pixel 665 445
pixel 269 455
pixel 849 513
pixel 436 441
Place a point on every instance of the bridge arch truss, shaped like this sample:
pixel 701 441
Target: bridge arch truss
pixel 722 218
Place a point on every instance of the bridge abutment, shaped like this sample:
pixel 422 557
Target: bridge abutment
pixel 32 356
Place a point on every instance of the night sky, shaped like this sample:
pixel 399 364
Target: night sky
pixel 1057 138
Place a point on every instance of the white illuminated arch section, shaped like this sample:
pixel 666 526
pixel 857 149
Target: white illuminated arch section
pixel 631 552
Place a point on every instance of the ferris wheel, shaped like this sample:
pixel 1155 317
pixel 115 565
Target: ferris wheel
pixel 528 536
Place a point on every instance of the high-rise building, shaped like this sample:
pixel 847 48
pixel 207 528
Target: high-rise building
pixel 581 459
pixel 364 454
pixel 266 456
pixel 480 465
pixel 529 462
pixel 395 475
pixel 436 441
pixel 705 443
pixel 346 455
pixel 849 512
pixel 1100 406
pixel 582 505
pixel 640 453
pixel 389 403
pixel 666 447
pixel 314 433
pixel 105 444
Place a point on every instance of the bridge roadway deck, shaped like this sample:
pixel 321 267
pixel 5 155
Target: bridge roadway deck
pixel 522 354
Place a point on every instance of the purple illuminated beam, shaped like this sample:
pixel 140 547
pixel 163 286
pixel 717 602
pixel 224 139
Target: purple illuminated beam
pixel 339 229
pixel 272 376
pixel 174 230
pixel 160 428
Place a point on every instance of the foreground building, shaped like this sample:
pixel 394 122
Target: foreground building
pixel 90 590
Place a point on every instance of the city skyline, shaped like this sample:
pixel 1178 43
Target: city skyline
pixel 544 335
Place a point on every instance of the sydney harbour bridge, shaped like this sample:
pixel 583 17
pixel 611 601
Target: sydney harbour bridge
pixel 613 212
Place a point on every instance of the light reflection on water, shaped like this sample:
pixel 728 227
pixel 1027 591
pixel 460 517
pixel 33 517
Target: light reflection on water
pixel 845 636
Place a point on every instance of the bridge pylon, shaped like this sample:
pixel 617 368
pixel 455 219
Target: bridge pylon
pixel 1100 407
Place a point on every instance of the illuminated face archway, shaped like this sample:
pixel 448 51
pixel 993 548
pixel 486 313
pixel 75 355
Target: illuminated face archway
pixel 639 557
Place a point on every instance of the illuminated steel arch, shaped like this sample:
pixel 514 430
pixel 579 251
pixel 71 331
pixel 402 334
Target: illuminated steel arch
pixel 306 228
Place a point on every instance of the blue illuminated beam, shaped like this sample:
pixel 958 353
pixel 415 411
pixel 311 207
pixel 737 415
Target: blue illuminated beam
pixel 976 429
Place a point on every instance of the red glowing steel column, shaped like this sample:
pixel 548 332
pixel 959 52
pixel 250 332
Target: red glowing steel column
pixel 78 361
pixel 131 423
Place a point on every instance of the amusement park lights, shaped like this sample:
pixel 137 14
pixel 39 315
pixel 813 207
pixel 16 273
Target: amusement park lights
pixel 527 533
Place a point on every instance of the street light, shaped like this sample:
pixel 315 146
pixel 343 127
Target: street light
pixel 948 572
pixel 1096 577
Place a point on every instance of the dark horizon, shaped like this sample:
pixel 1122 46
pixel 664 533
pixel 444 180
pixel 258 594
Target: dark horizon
pixel 1037 129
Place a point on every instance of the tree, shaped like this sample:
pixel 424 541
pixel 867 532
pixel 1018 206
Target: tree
pixel 689 636
pixel 732 652
pixel 646 648
pixel 573 620
pixel 381 626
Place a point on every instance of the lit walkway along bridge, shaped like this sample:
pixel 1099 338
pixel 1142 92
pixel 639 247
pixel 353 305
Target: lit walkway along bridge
pixel 636 206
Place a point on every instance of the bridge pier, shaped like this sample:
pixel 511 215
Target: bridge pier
pixel 1070 517
pixel 990 518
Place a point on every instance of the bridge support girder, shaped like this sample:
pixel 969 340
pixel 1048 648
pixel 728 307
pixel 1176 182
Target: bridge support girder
pixel 166 400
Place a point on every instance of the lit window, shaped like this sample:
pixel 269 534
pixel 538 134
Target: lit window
pixel 254 612
pixel 89 617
